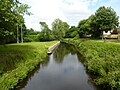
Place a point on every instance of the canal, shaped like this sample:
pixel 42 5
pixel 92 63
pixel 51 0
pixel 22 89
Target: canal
pixel 63 71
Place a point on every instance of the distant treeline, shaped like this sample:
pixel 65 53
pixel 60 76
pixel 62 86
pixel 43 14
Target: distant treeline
pixel 13 29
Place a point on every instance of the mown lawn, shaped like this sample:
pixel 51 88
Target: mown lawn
pixel 17 60
pixel 102 60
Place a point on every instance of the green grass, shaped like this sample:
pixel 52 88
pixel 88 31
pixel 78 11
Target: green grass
pixel 102 60
pixel 17 60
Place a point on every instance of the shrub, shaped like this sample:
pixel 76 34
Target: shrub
pixel 31 38
pixel 26 39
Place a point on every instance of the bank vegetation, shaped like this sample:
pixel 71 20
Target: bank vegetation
pixel 102 60
pixel 17 60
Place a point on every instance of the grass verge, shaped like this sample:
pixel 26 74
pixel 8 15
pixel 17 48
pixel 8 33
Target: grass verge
pixel 17 60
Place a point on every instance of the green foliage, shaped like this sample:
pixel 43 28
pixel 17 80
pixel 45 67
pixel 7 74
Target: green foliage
pixel 46 34
pixel 59 28
pixel 46 37
pixel 84 27
pixel 71 32
pixel 30 38
pixel 26 39
pixel 22 9
pixel 104 19
pixel 102 60
pixel 30 35
pixel 10 17
pixel 19 60
pixel 30 32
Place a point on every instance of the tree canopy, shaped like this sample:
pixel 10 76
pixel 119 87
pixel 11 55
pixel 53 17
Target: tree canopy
pixel 11 15
pixel 59 28
pixel 71 32
pixel 46 33
pixel 84 27
pixel 104 19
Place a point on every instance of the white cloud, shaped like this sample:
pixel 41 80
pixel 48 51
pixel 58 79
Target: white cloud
pixel 71 11
pixel 75 10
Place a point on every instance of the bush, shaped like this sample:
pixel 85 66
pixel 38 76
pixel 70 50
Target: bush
pixel 30 38
pixel 26 39
pixel 43 37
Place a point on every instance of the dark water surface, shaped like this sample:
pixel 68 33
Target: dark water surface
pixel 63 71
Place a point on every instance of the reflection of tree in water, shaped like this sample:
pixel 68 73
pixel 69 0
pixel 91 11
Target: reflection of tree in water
pixel 45 62
pixel 62 51
pixel 80 57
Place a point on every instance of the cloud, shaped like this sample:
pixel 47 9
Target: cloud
pixel 75 10
pixel 71 11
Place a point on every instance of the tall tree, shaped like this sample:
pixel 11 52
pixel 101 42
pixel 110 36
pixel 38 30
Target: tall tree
pixel 105 19
pixel 45 34
pixel 20 11
pixel 82 28
pixel 9 19
pixel 59 28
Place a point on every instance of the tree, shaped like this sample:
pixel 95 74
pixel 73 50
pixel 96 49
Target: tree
pixel 20 10
pixel 59 28
pixel 45 34
pixel 30 31
pixel 71 32
pixel 65 27
pixel 84 27
pixel 9 19
pixel 105 19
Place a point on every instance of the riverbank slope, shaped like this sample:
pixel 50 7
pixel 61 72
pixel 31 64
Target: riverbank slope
pixel 17 60
pixel 102 59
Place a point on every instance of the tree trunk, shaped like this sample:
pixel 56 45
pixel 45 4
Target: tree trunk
pixel 21 34
pixel 17 35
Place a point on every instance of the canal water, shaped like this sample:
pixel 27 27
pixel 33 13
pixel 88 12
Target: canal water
pixel 63 71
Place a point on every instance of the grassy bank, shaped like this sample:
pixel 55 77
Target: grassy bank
pixel 16 60
pixel 102 60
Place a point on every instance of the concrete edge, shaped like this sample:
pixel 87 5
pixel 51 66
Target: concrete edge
pixel 50 49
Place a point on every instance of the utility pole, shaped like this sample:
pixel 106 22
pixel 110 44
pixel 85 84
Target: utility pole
pixel 17 34
pixel 21 34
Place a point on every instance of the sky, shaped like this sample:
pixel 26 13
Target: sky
pixel 70 11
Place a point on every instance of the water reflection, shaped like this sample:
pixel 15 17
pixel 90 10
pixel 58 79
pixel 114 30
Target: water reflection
pixel 31 74
pixel 62 51
pixel 63 72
